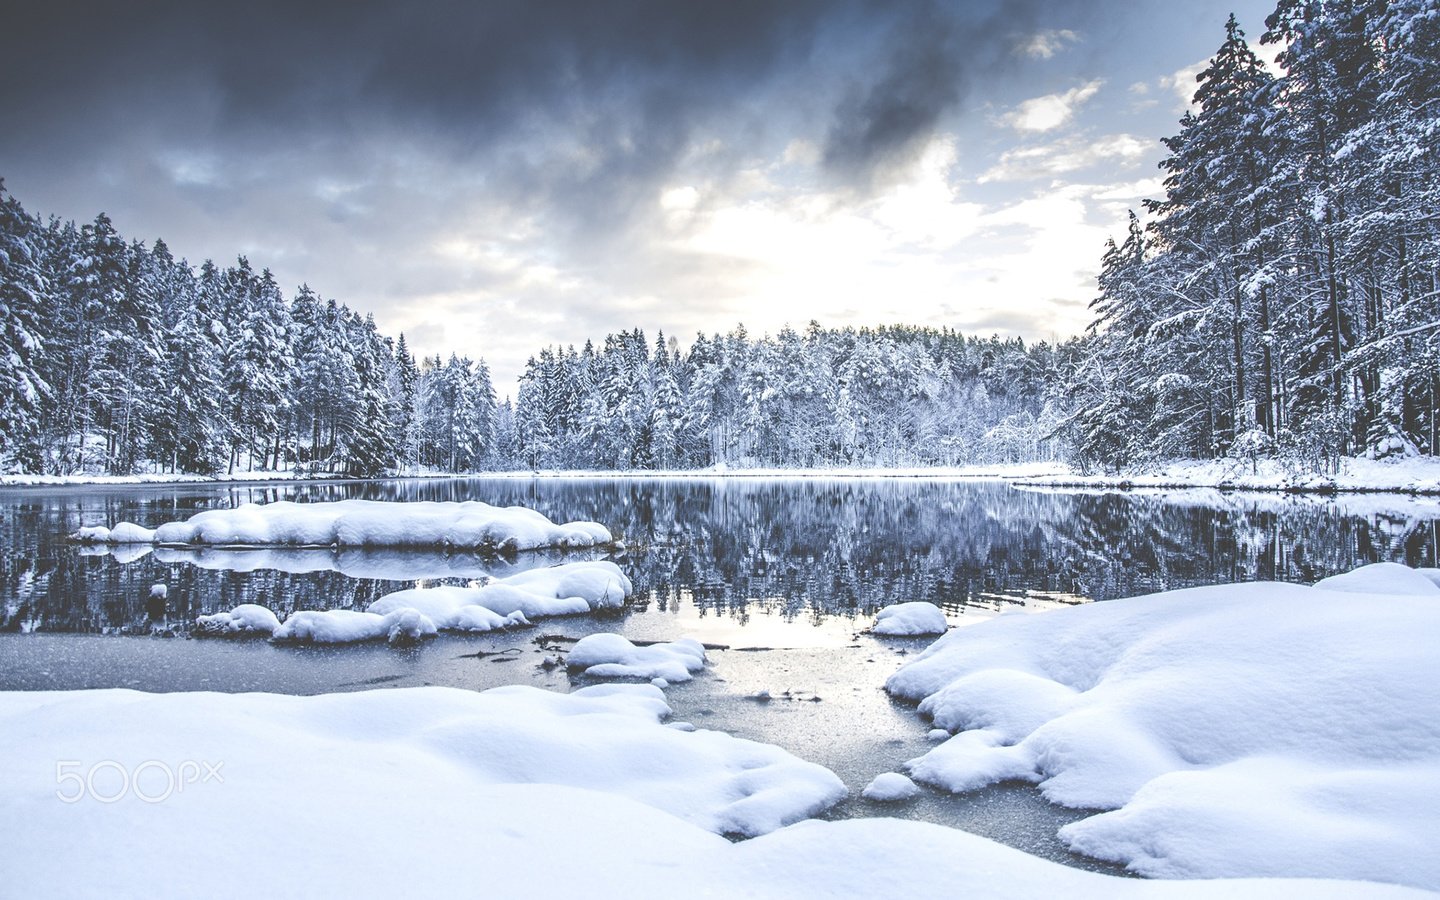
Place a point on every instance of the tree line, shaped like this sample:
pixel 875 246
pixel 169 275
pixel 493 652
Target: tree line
pixel 1281 300
pixel 120 359
pixel 1283 297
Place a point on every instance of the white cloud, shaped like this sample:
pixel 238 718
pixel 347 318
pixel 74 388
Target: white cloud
pixel 680 199
pixel 1182 82
pixel 1070 154
pixel 1045 44
pixel 1052 110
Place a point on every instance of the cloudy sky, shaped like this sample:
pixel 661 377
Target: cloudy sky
pixel 490 177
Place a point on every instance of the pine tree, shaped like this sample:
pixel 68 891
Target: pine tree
pixel 22 388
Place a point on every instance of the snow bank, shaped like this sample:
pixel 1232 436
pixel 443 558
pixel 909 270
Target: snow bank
pixel 1420 474
pixel 247 618
pixel 915 618
pixel 608 738
pixel 1255 729
pixel 1383 578
pixel 435 792
pixel 410 615
pixel 612 656
pixel 470 525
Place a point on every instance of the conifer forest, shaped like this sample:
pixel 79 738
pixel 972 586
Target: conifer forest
pixel 1280 300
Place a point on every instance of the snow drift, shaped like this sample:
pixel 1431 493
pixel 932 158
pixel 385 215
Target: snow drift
pixel 436 792
pixel 1254 729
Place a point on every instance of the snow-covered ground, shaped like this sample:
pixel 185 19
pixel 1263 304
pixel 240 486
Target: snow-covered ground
pixel 999 470
pixel 23 479
pixel 470 525
pixel 1257 729
pixel 443 792
pixel 1418 474
pixel 410 615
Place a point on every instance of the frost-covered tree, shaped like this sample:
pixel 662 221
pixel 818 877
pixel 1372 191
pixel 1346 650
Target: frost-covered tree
pixel 22 310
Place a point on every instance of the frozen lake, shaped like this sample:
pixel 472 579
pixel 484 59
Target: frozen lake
pixel 780 576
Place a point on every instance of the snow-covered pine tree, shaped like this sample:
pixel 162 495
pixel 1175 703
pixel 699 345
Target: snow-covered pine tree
pixel 22 286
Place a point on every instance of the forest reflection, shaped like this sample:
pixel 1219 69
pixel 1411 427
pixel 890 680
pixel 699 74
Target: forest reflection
pixel 801 549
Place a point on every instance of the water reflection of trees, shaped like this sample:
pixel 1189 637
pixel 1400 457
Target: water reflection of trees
pixel 733 547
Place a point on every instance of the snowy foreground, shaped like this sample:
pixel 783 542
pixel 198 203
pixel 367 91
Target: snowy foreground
pixel 470 525
pixel 411 615
pixel 442 792
pixel 1254 729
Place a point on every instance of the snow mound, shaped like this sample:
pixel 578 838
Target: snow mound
pixel 890 787
pixel 612 656
pixel 247 618
pixel 348 626
pixel 122 533
pixel 470 525
pixel 425 791
pixel 578 587
pixel 1382 578
pixel 916 618
pixel 1254 729
pixel 411 615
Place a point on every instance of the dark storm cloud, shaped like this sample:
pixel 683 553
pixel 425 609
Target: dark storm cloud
pixel 465 74
pixel 931 57
pixel 629 80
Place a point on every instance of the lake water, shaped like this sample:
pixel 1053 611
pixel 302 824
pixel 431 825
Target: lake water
pixel 782 575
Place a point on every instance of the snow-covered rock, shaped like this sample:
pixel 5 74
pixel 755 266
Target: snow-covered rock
pixel 470 525
pixel 612 656
pixel 915 618
pixel 1254 729
pixel 434 792
pixel 247 618
pixel 890 787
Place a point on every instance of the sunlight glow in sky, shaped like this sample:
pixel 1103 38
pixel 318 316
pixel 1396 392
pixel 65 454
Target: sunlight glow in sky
pixel 490 178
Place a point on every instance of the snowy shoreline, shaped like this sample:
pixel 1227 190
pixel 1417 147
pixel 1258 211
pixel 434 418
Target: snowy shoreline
pixel 1416 475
